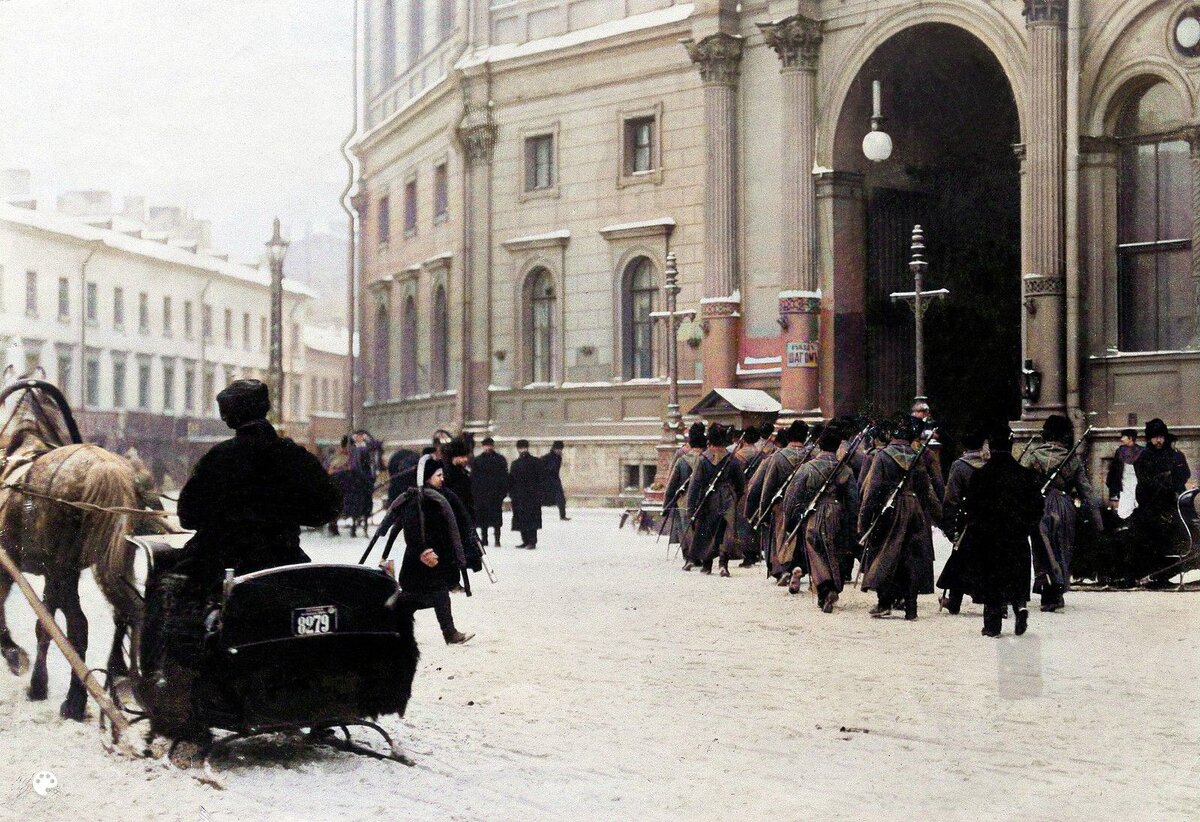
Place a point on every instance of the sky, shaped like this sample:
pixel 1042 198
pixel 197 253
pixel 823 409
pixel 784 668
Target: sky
pixel 235 108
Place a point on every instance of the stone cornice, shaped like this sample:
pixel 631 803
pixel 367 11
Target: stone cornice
pixel 1046 12
pixel 718 57
pixel 551 239
pixel 661 227
pixel 796 39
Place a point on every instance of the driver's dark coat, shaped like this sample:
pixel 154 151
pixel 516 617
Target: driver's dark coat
pixel 246 500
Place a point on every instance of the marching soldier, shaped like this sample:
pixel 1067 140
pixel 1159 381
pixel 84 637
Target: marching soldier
pixel 712 498
pixel 827 536
pixel 1053 461
pixel 761 502
pixel 952 579
pixel 897 561
pixel 749 457
pixel 675 496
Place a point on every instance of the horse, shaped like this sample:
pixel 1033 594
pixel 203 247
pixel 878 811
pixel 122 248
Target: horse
pixel 52 486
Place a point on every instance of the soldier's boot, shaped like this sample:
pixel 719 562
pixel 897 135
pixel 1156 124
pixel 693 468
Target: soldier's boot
pixel 794 581
pixel 882 609
pixel 1022 621
pixel 457 638
pixel 952 603
pixel 830 600
pixel 992 621
pixel 910 608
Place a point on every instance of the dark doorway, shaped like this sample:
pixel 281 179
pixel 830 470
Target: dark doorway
pixel 953 120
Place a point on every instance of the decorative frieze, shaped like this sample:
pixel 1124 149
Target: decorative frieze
pixel 1038 286
pixel 718 57
pixel 796 39
pixel 799 302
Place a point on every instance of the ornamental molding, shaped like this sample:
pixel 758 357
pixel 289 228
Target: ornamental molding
pixel 660 227
pixel 477 132
pixel 551 239
pixel 718 57
pixel 1038 285
pixel 710 309
pixel 1046 12
pixel 799 304
pixel 796 39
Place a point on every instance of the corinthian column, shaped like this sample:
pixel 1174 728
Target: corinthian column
pixel 718 56
pixel 797 41
pixel 477 136
pixel 1044 291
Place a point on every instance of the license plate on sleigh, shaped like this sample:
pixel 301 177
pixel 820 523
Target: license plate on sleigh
pixel 320 619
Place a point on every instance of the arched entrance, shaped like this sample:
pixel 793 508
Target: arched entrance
pixel 953 120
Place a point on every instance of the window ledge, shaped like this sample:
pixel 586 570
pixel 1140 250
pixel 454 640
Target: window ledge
pixel 548 193
pixel 636 178
pixel 444 217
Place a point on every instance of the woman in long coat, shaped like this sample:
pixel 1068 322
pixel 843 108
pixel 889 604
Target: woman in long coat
pixel 526 489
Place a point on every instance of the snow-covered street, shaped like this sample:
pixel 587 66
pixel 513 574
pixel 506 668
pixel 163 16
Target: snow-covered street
pixel 605 683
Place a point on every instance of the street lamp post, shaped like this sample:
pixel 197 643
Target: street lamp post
pixel 673 420
pixel 276 250
pixel 919 301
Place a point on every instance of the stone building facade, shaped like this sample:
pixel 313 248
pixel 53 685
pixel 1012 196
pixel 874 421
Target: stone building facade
pixel 527 166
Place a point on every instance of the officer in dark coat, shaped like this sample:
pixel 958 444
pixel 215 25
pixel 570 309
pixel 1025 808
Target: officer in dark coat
pixel 552 464
pixel 489 486
pixel 527 485
pixel 1002 507
pixel 249 495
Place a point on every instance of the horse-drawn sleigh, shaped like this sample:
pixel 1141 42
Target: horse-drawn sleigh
pixel 311 647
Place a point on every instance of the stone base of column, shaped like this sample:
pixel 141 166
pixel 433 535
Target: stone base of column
pixel 722 323
pixel 799 379
pixel 1045 345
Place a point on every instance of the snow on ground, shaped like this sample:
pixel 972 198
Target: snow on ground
pixel 605 683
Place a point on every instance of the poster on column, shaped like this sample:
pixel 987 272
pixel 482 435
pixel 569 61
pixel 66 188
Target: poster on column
pixel 802 354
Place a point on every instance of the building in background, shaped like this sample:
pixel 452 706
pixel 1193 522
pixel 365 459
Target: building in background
pixel 527 165
pixel 141 325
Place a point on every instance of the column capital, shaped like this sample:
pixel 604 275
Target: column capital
pixel 796 39
pixel 1046 12
pixel 477 132
pixel 717 56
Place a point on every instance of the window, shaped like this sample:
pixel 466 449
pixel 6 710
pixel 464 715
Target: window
pixel 31 293
pixel 189 388
pixel 416 30
pixel 539 162
pixel 166 316
pixel 410 208
pixel 438 332
pixel 638 477
pixel 229 326
pixel 408 349
pixel 187 319
pixel 206 322
pixel 208 391
pixel 246 330
pixel 90 303
pixel 143 387
pixel 64 298
pixel 313 394
pixel 540 324
pixel 441 193
pixel 63 378
pixel 381 354
pixel 118 308
pixel 1155 302
pixel 639 145
pixel 262 334
pixel 92 382
pixel 118 398
pixel 295 338
pixel 168 385
pixel 383 220
pixel 640 296
pixel 33 357
pixel 294 394
pixel 445 18
pixel 144 313
pixel 388 42
pixel 324 393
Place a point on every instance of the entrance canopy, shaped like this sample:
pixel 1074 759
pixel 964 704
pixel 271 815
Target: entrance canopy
pixel 740 407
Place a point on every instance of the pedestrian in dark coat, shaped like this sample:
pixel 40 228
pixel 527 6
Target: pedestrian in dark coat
pixel 527 485
pixel 434 555
pixel 748 456
pixel 675 496
pixel 401 462
pixel 249 495
pixel 1156 528
pixel 489 487
pixel 552 472
pixel 827 536
pixel 1002 507
pixel 1052 554
pixel 952 580
pixel 714 512
pixel 898 564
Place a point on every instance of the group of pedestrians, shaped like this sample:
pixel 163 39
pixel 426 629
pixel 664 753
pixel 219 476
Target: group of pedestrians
pixel 812 501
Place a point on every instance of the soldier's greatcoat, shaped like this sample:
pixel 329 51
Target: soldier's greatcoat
pixel 675 499
pixel 715 517
pixel 900 556
pixel 828 532
pixel 1052 557
pixel 952 577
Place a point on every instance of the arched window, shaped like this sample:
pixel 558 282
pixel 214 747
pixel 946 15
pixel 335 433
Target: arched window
pixel 408 349
pixel 639 297
pixel 440 376
pixel 380 354
pixel 1155 304
pixel 539 325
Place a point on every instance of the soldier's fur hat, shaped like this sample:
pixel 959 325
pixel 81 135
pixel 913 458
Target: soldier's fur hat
pixel 719 435
pixel 696 436
pixel 905 427
pixel 244 401
pixel 973 439
pixel 831 438
pixel 522 444
pixel 797 431
pixel 766 430
pixel 488 441
pixel 1157 428
pixel 456 448
pixel 557 445
pixel 999 436
pixel 750 435
pixel 1056 428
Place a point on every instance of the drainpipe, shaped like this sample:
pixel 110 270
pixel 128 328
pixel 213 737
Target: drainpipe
pixel 1071 228
pixel 96 245
pixel 351 252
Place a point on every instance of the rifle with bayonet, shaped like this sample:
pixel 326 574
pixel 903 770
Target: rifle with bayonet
pixel 764 510
pixel 888 506
pixel 712 486
pixel 811 508
pixel 1045 489
pixel 668 511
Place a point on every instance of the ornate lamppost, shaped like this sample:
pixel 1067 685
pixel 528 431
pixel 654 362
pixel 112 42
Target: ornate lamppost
pixel 919 301
pixel 276 250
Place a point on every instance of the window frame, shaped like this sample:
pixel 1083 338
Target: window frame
pixel 441 190
pixel 533 374
pixel 410 357
pixel 630 325
pixel 91 302
pixel 412 210
pixel 627 117
pixel 439 349
pixel 528 155
pixel 383 221
pixel 31 293
pixel 143 312
pixel 64 299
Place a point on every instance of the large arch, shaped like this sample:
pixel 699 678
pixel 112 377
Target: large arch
pixel 954 114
